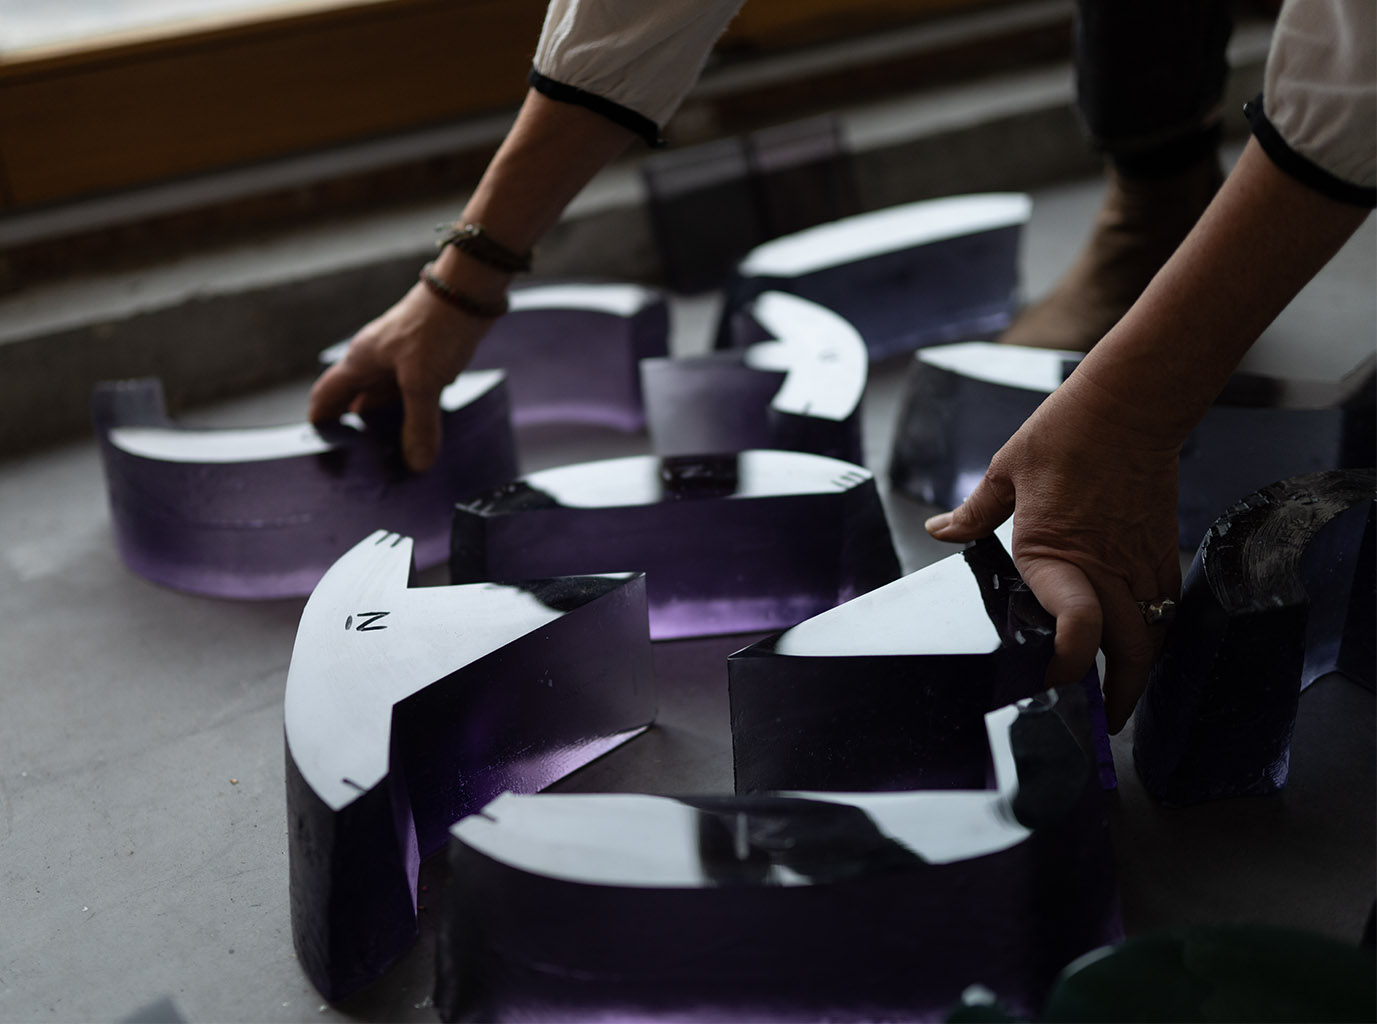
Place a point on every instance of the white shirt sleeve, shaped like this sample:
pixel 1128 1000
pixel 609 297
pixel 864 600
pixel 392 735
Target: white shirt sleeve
pixel 643 55
pixel 1320 91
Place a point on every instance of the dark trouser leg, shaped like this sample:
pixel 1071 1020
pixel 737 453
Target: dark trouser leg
pixel 1150 78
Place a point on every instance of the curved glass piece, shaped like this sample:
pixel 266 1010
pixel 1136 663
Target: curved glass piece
pixel 263 512
pixel 1220 707
pixel 800 391
pixel 570 351
pixel 963 401
pixel 733 543
pixel 888 691
pixel 407 708
pixel 907 276
pixel 788 906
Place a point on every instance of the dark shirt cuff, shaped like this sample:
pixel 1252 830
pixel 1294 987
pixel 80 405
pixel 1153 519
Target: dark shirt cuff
pixel 1302 168
pixel 614 112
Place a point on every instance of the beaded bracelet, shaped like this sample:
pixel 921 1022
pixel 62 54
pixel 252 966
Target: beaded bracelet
pixel 474 240
pixel 470 305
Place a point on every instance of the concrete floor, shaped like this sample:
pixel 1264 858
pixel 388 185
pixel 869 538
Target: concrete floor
pixel 142 826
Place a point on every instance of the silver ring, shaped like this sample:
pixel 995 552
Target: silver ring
pixel 1160 612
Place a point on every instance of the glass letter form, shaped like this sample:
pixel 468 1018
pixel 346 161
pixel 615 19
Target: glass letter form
pixel 263 512
pixel 800 389
pixel 889 691
pixel 1280 591
pixel 963 401
pixel 907 276
pixel 409 707
pixel 729 543
pixel 799 906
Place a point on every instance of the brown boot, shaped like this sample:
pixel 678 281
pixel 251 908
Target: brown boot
pixel 1140 224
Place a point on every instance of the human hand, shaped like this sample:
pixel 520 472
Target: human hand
pixel 412 352
pixel 1095 534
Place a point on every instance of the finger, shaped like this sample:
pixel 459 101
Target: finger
pixel 422 428
pixel 1129 651
pixel 975 517
pixel 333 392
pixel 1067 594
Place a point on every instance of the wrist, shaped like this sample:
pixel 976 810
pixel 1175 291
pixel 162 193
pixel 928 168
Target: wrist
pixel 480 293
pixel 1119 416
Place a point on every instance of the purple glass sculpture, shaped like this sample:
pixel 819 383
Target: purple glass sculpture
pixel 729 543
pixel 962 402
pixel 787 907
pixel 263 512
pixel 904 277
pixel 801 391
pixel 1220 707
pixel 889 691
pixel 407 708
pixel 570 351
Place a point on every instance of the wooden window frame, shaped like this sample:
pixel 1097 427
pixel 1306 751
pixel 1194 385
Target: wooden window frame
pixel 164 104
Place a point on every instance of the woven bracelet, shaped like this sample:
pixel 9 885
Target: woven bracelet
pixel 474 240
pixel 472 306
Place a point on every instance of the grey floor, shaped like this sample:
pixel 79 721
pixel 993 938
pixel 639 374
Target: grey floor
pixel 142 822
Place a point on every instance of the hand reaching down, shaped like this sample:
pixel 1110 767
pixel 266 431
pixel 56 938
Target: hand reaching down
pixel 412 352
pixel 1095 534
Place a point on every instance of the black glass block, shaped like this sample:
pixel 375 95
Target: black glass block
pixel 963 401
pixel 799 389
pixel 1220 707
pixel 904 277
pixel 729 543
pixel 570 350
pixel 787 907
pixel 712 203
pixel 263 512
pixel 890 690
pixel 802 174
pixel 408 708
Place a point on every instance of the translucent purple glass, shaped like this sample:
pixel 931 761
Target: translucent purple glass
pixel 407 708
pixel 263 512
pixel 904 277
pixel 799 391
pixel 962 402
pixel 1220 707
pixel 787 907
pixel 729 543
pixel 890 690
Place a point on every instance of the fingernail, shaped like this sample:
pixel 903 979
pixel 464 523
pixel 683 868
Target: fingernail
pixel 938 523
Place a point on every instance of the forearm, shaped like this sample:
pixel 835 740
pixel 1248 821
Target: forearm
pixel 1261 240
pixel 551 152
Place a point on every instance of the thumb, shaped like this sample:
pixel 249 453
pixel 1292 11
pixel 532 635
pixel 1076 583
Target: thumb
pixel 975 517
pixel 422 430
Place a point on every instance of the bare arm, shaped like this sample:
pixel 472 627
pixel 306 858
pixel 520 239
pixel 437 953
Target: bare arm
pixel 1093 471
pixel 418 346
